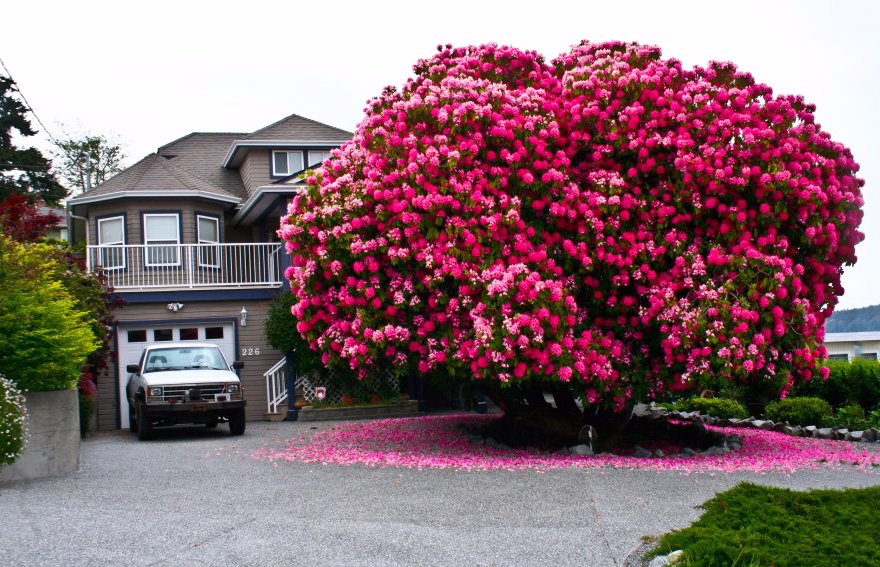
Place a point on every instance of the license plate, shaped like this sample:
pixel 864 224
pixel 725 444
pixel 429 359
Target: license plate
pixel 199 407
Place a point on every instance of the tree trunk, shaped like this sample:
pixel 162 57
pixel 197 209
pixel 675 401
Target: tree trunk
pixel 563 422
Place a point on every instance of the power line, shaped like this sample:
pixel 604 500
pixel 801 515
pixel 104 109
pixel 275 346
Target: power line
pixel 28 104
pixel 40 122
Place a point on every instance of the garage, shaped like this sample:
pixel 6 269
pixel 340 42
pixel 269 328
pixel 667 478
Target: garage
pixel 132 338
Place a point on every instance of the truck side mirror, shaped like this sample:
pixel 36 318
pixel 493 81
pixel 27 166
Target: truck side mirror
pixel 238 364
pixel 133 368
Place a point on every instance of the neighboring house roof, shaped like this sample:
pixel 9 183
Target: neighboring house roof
pixel 61 213
pixel 852 337
pixel 154 176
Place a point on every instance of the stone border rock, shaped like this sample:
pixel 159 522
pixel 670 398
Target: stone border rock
pixel 870 435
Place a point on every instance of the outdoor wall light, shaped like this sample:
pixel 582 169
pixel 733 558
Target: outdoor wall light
pixel 243 318
pixel 175 307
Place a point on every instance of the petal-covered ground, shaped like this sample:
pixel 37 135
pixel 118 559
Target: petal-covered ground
pixel 440 442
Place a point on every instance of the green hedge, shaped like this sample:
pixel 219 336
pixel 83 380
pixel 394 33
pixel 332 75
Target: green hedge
pixel 717 407
pixel 851 416
pixel 752 525
pixel 12 422
pixel 856 382
pixel 799 411
pixel 46 339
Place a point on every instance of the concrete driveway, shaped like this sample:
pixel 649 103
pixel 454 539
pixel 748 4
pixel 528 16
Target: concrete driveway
pixel 194 497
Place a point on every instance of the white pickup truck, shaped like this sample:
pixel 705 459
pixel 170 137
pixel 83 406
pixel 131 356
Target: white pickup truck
pixel 184 383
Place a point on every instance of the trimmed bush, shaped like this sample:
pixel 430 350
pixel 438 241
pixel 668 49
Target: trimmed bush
pixel 759 525
pixel 46 338
pixel 851 416
pixel 863 383
pixel 717 407
pixel 13 416
pixel 799 411
pixel 849 382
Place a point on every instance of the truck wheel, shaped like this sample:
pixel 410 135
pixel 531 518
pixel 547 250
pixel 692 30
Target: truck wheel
pixel 144 425
pixel 236 422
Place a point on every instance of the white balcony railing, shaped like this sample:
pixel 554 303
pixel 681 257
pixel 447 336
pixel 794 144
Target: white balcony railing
pixel 188 266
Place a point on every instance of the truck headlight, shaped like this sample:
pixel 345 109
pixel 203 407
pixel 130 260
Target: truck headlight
pixel 232 388
pixel 154 391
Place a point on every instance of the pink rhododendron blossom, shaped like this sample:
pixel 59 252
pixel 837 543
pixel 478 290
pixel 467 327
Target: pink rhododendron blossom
pixel 610 219
pixel 440 442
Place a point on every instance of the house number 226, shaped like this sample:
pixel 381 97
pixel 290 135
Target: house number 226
pixel 250 351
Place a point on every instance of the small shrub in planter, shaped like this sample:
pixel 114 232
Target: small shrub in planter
pixel 716 407
pixel 12 422
pixel 799 411
pixel 852 417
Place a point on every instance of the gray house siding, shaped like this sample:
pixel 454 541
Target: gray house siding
pixel 134 210
pixel 255 170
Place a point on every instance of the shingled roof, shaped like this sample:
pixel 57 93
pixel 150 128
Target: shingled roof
pixel 194 164
pixel 296 127
pixel 202 153
pixel 155 175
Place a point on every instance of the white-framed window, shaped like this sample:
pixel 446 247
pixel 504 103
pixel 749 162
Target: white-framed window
pixel 843 356
pixel 286 162
pixel 162 237
pixel 209 238
pixel 317 157
pixel 111 239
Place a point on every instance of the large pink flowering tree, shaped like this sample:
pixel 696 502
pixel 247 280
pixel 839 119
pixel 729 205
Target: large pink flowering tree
pixel 609 226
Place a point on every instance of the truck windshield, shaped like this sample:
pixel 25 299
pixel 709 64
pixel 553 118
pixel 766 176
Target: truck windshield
pixel 188 358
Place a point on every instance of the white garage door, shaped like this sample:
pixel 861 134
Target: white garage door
pixel 133 339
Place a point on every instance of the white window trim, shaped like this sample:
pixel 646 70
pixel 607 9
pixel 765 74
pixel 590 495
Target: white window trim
pixel 290 170
pixel 148 243
pixel 203 242
pixel 101 242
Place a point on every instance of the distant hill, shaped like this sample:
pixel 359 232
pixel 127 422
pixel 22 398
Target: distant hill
pixel 861 320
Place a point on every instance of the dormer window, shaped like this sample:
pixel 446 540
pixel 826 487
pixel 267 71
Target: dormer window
pixel 286 163
pixel 318 157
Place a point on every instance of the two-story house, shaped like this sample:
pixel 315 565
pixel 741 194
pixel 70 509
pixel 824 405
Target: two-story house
pixel 186 237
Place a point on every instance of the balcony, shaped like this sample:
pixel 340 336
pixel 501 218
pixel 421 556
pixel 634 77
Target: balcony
pixel 149 267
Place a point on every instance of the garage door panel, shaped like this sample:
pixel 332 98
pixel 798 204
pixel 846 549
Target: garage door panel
pixel 133 340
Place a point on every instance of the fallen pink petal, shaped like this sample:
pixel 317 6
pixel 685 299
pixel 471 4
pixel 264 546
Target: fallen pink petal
pixel 440 442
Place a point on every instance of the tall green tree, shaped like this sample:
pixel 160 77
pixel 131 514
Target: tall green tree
pixel 23 171
pixel 88 160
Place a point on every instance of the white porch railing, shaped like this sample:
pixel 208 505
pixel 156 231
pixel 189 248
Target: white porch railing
pixel 188 266
pixel 276 386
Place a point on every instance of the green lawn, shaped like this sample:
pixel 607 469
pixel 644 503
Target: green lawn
pixel 752 525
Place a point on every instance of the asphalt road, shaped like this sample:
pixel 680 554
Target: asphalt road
pixel 199 498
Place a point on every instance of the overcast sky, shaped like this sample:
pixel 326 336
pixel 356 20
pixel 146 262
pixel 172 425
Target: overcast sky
pixel 145 73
